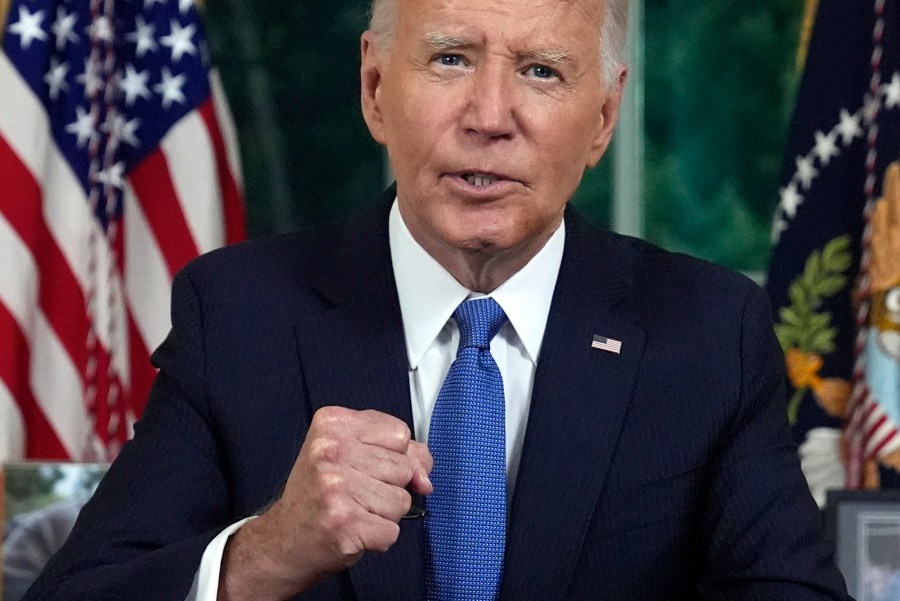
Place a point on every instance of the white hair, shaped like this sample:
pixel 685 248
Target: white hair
pixel 383 18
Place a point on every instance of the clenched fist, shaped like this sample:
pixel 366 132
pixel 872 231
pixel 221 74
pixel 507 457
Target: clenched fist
pixel 346 493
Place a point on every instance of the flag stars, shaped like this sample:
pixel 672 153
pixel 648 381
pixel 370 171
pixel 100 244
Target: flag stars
pixel 826 147
pixel 121 129
pixel 184 6
pixel 90 78
pixel 790 200
pixel 56 77
pixel 112 176
pixel 102 29
pixel 144 37
pixel 849 127
pixel 134 84
pixel 82 127
pixel 806 171
pixel 28 27
pixel 892 92
pixel 64 28
pixel 148 4
pixel 170 88
pixel 179 40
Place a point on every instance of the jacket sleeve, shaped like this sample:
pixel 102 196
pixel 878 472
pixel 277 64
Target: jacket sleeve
pixel 764 531
pixel 164 499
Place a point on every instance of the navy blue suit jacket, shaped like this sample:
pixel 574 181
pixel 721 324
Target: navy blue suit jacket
pixel 666 472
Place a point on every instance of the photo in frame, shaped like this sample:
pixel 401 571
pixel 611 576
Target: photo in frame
pixel 40 502
pixel 865 528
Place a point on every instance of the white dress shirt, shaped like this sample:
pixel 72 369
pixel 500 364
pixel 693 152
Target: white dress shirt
pixel 428 297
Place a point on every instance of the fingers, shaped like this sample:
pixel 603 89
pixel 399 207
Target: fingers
pixel 383 500
pixel 368 427
pixel 379 463
pixel 423 462
pixel 373 443
pixel 350 486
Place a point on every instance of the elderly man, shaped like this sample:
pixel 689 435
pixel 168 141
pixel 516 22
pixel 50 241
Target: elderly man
pixel 603 420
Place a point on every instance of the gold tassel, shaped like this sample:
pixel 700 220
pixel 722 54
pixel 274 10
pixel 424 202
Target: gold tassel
pixel 4 13
pixel 809 19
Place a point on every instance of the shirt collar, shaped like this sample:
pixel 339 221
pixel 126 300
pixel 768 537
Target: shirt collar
pixel 429 294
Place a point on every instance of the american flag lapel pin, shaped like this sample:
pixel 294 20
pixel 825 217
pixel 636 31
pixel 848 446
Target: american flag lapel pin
pixel 610 345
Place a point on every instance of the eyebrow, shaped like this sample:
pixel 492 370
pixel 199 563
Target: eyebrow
pixel 449 41
pixel 550 57
pixel 446 41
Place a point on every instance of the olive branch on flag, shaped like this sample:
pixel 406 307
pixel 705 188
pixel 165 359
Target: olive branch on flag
pixel 805 332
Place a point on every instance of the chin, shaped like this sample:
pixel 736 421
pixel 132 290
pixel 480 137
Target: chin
pixel 472 240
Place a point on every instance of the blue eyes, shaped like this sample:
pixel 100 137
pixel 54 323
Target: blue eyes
pixel 541 71
pixel 536 71
pixel 450 60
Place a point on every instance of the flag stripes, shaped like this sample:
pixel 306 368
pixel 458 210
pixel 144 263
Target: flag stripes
pixel 155 192
pixel 118 165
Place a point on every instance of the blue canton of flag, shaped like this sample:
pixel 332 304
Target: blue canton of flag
pixel 115 76
pixel 833 277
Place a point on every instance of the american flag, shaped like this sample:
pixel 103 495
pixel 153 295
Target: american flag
pixel 117 166
pixel 607 344
pixel 834 278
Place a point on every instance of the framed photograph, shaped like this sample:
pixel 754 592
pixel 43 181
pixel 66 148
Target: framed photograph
pixel 40 502
pixel 865 526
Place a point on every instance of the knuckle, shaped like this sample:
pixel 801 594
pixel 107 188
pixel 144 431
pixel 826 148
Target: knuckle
pixel 399 435
pixel 349 548
pixel 337 519
pixel 403 433
pixel 323 449
pixel 330 416
pixel 330 483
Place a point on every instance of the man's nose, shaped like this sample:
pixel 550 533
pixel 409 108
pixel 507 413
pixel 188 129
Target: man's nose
pixel 490 104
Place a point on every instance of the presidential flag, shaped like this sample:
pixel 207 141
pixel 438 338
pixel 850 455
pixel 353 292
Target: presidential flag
pixel 835 269
pixel 117 166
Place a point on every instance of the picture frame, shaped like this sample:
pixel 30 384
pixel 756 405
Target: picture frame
pixel 38 506
pixel 865 528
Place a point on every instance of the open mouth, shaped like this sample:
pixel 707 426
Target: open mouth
pixel 479 179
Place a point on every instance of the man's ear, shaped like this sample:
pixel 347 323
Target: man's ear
pixel 609 115
pixel 370 81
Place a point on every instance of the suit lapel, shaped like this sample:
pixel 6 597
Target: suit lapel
pixel 353 354
pixel 578 405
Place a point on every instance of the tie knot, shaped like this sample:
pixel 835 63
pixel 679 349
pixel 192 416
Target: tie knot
pixel 479 321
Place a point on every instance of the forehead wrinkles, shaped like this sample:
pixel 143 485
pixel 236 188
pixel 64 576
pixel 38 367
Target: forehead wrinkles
pixel 535 33
pixel 591 10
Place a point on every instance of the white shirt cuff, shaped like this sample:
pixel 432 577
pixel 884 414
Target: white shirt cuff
pixel 206 580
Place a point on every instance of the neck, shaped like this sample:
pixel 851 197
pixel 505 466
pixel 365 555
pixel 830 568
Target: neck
pixel 482 270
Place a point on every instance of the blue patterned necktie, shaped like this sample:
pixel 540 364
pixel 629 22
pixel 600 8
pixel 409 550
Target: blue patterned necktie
pixel 466 521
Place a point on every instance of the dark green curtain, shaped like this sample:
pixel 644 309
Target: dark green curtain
pixel 719 87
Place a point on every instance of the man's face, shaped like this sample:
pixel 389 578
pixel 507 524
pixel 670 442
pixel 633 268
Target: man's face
pixel 490 111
